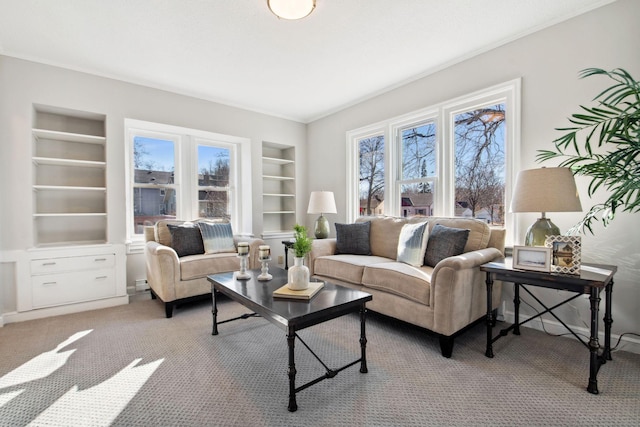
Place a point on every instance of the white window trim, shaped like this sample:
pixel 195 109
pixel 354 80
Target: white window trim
pixel 507 92
pixel 188 140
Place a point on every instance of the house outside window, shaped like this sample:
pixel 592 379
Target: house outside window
pixel 457 158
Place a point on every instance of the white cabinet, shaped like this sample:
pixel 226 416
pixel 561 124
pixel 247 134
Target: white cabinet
pixel 278 189
pixel 75 275
pixel 69 177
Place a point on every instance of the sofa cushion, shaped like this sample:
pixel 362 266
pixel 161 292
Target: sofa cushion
pixel 385 232
pixel 162 233
pixel 347 268
pixel 198 266
pixel 413 283
pixel 217 237
pixel 444 242
pixel 186 239
pixel 478 237
pixel 412 244
pixel 353 238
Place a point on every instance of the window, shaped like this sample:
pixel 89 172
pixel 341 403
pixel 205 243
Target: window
pixel 185 174
pixel 453 159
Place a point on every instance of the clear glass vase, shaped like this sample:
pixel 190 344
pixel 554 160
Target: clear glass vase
pixel 298 275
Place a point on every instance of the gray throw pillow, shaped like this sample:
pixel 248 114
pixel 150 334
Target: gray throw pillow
pixel 444 242
pixel 353 238
pixel 217 237
pixel 186 239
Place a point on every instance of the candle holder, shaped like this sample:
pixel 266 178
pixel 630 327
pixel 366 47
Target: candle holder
pixel 264 272
pixel 242 274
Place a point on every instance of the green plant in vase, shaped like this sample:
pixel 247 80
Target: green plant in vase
pixel 298 274
pixel 302 243
pixel 610 152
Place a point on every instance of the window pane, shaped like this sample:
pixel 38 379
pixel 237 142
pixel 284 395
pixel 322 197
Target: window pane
pixel 416 200
pixel 213 180
pixel 151 205
pixel 153 160
pixel 371 156
pixel 419 151
pixel 480 163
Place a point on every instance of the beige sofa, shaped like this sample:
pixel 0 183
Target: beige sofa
pixel 445 299
pixel 175 279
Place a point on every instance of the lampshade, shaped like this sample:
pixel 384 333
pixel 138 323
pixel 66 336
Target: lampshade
pixel 544 190
pixel 322 202
pixel 291 9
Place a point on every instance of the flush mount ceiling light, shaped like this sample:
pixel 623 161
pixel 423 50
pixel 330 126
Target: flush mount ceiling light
pixel 291 9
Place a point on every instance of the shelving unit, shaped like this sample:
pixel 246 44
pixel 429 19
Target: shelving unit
pixel 69 177
pixel 71 266
pixel 279 188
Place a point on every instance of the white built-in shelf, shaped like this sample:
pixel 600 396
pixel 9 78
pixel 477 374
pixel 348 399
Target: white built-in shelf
pixel 68 215
pixel 68 136
pixel 66 188
pixel 277 161
pixel 68 162
pixel 277 212
pixel 278 195
pixel 278 178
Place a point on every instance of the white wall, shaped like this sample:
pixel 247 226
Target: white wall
pixel 24 83
pixel 548 63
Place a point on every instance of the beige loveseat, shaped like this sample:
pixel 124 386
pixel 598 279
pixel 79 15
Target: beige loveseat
pixel 175 279
pixel 445 299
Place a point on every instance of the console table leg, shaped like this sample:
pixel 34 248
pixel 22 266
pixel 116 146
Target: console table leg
pixel 363 340
pixel 608 321
pixel 214 311
pixel 594 298
pixel 516 308
pixel 489 282
pixel 291 337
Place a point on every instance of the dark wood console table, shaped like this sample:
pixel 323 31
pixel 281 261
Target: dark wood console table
pixel 591 280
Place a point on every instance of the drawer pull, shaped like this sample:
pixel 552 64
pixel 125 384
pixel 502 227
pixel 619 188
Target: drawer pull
pixel 100 259
pixel 48 263
pixel 49 283
pixel 101 277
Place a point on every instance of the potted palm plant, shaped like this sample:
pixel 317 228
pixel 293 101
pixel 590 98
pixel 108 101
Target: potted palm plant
pixel 298 274
pixel 610 152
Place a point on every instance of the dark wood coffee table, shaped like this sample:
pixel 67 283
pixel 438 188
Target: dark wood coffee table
pixel 292 315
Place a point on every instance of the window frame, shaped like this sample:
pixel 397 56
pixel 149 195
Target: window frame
pixel 444 182
pixel 186 174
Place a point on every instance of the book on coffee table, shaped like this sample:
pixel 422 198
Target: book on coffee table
pixel 307 294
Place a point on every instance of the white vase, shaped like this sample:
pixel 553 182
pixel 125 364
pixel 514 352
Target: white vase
pixel 298 275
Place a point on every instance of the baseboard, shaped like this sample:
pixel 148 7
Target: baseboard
pixel 630 344
pixel 141 285
pixel 41 313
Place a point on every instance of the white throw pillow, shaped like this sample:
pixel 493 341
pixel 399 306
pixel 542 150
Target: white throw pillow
pixel 412 243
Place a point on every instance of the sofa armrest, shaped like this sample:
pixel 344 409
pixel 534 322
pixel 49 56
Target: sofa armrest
pixel 320 247
pixel 458 292
pixel 163 270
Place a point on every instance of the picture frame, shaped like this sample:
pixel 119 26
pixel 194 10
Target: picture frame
pixel 536 258
pixel 566 253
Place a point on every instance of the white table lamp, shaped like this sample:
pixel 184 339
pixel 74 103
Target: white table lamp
pixel 322 202
pixel 545 190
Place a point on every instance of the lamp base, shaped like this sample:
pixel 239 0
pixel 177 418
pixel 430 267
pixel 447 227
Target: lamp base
pixel 322 227
pixel 538 231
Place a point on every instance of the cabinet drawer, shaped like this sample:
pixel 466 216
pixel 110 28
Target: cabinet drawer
pixel 59 265
pixel 63 288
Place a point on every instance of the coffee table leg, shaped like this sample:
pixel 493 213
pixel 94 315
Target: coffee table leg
pixel 363 340
pixel 291 337
pixel 214 311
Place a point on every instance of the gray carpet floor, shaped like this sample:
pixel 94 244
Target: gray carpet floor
pixel 130 366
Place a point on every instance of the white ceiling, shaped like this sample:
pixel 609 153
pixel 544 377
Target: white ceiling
pixel 237 53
